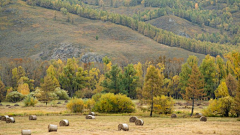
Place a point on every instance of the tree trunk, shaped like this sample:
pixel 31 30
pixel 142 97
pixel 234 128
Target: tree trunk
pixel 151 106
pixel 192 106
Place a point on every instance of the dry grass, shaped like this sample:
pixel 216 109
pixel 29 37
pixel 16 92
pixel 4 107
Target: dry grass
pixel 34 30
pixel 108 125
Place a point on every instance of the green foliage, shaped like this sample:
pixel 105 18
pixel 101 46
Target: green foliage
pixel 163 104
pixel 97 97
pixel 76 105
pixel 14 96
pixel 96 37
pixel 62 94
pixel 113 81
pixel 110 103
pixel 222 90
pixel 2 90
pixel 30 101
pixel 89 104
pixel 64 11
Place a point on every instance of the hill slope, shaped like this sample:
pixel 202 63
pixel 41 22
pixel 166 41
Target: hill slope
pixel 27 31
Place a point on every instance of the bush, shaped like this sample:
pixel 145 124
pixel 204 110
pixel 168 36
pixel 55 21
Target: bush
pixel 62 94
pixel 163 104
pixel 76 105
pixel 30 101
pixel 14 96
pixel 64 11
pixel 219 107
pixel 96 97
pixel 89 104
pixel 110 103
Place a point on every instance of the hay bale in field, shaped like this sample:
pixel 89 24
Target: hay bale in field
pixel 52 128
pixel 0 104
pixel 66 101
pixel 198 115
pixel 90 117
pixel 16 105
pixel 92 113
pixel 123 127
pixel 133 119
pixel 4 118
pixel 10 120
pixel 139 122
pixel 32 117
pixel 7 105
pixel 173 116
pixel 26 132
pixel 64 122
pixel 58 102
pixel 203 118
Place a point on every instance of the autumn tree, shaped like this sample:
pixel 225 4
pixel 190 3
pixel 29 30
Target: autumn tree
pixel 139 73
pixel 152 85
pixel 232 84
pixel 222 90
pixel 195 86
pixel 237 100
pixel 47 89
pixel 2 90
pixel 51 71
pixel 186 71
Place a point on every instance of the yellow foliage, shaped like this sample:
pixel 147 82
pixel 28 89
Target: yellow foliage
pixel 75 105
pixel 9 90
pixel 23 89
pixel 222 90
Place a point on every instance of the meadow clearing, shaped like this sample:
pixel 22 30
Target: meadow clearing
pixel 107 124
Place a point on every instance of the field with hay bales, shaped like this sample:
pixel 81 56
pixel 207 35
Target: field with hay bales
pixel 107 124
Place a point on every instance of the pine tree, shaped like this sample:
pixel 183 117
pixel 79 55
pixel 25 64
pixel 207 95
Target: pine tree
pixel 152 85
pixel 113 81
pixel 195 86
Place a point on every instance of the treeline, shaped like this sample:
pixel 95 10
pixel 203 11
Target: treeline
pixel 195 13
pixel 159 35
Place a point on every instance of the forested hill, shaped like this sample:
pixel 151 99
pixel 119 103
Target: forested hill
pixel 33 31
pixel 220 15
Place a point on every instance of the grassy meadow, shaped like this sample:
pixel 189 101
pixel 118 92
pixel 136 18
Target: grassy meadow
pixel 107 123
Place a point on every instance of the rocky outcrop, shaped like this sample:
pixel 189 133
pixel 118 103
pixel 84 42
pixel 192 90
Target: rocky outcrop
pixel 91 57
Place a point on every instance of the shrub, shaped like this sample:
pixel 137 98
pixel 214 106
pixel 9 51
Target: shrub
pixel 76 105
pixel 89 104
pixel 30 101
pixel 110 103
pixel 64 11
pixel 62 94
pixel 14 96
pixel 163 104
pixel 96 97
pixel 221 106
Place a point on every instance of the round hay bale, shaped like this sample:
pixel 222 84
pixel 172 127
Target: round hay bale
pixel 4 118
pixel 10 120
pixel 139 122
pixel 173 116
pixel 26 132
pixel 52 128
pixel 32 117
pixel 16 105
pixel 64 122
pixel 66 101
pixel 123 127
pixel 58 102
pixel 7 105
pixel 92 113
pixel 90 117
pixel 198 115
pixel 133 119
pixel 203 118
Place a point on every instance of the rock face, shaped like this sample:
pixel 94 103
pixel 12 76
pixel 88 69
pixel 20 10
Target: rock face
pixel 91 57
pixel 65 51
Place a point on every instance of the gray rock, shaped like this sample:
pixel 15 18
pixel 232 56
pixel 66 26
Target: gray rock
pixel 91 57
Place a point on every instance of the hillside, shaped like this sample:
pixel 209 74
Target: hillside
pixel 27 31
pixel 180 26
